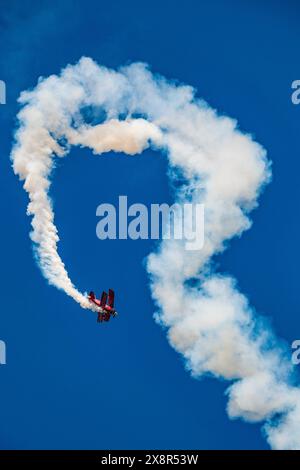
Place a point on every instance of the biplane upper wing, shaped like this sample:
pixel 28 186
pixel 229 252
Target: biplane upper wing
pixel 103 299
pixel 111 298
pixel 92 295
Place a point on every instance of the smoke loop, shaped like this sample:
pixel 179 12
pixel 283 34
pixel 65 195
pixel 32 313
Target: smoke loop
pixel 222 168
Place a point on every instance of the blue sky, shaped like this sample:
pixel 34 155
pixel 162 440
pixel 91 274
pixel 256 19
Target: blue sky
pixel 68 382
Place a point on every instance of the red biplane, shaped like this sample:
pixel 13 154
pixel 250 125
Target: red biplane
pixel 105 306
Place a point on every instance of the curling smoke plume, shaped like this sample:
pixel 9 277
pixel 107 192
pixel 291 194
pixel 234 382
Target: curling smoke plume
pixel 220 167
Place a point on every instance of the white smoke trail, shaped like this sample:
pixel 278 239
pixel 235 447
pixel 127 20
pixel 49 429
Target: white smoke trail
pixel 209 322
